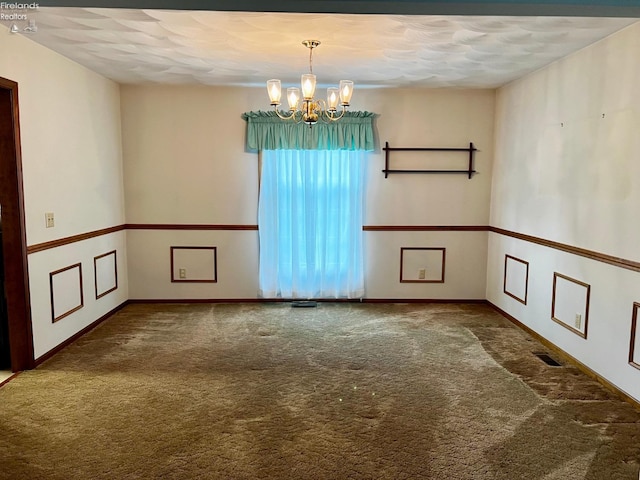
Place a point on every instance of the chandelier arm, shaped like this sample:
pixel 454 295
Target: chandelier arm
pixel 330 116
pixel 323 113
pixel 295 117
pixel 284 117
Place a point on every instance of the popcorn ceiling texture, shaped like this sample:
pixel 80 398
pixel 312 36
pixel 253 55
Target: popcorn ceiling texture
pixel 248 48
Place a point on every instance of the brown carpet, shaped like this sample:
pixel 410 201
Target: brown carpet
pixel 342 391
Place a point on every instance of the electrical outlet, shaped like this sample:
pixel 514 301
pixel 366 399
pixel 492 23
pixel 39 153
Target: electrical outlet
pixel 48 219
pixel 578 320
pixel 422 274
pixel 182 273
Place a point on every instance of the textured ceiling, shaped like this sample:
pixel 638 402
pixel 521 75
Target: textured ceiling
pixel 248 48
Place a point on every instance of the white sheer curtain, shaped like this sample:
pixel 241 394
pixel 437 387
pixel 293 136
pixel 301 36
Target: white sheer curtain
pixel 310 219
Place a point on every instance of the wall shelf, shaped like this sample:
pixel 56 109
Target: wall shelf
pixel 469 171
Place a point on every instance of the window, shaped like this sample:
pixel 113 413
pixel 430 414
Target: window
pixel 310 219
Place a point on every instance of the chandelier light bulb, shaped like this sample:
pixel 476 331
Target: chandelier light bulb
pixel 346 90
pixel 293 97
pixel 333 96
pixel 308 86
pixel 274 88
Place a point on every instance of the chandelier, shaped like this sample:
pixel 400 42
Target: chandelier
pixel 311 110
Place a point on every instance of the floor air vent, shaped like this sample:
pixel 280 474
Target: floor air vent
pixel 304 304
pixel 547 359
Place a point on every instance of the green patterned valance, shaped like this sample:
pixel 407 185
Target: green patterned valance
pixel 265 131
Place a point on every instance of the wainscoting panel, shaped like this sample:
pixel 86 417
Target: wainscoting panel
pixel 105 271
pixel 516 278
pixel 56 291
pixel 454 263
pixel 194 264
pixel 67 295
pixel 634 347
pixel 422 264
pixel 229 271
pixel 570 303
pixel 607 321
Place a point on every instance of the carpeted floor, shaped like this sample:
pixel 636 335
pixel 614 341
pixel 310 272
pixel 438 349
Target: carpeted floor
pixel 341 391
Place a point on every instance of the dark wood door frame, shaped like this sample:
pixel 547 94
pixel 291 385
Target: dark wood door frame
pixel 14 240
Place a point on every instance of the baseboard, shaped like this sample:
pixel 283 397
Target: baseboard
pixel 326 300
pixel 73 338
pixel 423 300
pixel 568 358
pixel 7 380
pixel 201 300
pixel 226 300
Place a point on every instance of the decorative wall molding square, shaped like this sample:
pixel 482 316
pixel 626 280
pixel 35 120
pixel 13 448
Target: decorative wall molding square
pixel 634 354
pixel 513 285
pixel 64 301
pixel 194 264
pixel 106 264
pixel 431 260
pixel 570 297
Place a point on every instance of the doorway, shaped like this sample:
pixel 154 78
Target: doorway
pixel 19 339
pixel 5 351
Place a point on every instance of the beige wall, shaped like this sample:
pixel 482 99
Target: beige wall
pixel 567 169
pixel 185 162
pixel 72 166
pixel 429 118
